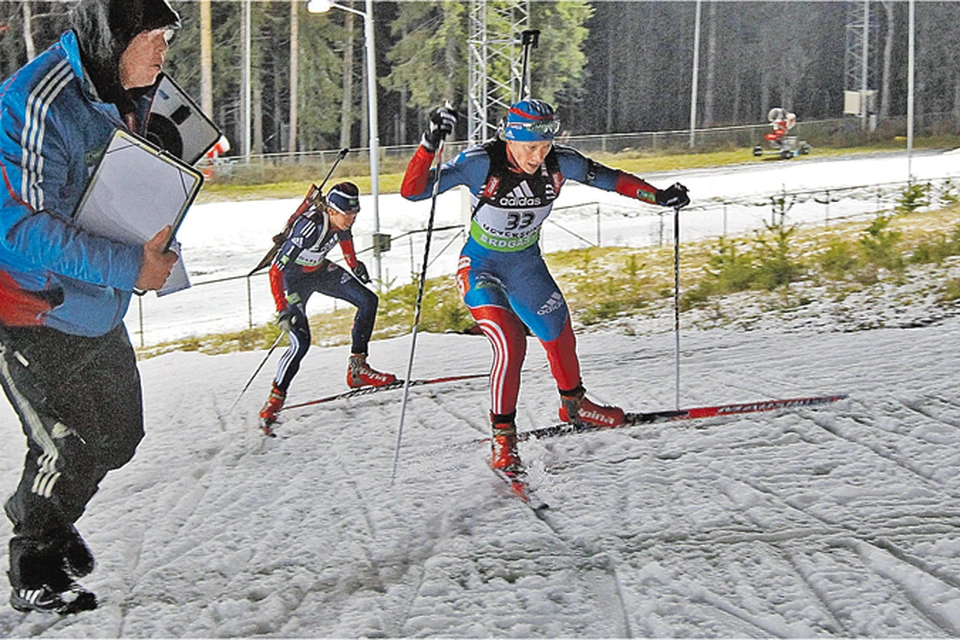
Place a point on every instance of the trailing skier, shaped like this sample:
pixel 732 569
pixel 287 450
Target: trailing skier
pixel 299 269
pixel 502 277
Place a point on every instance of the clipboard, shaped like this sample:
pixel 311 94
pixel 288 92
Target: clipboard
pixel 135 191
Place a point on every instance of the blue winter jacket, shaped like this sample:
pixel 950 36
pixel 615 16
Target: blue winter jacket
pixel 53 130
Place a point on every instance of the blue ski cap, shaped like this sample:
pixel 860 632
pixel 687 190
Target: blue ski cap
pixel 344 197
pixel 530 121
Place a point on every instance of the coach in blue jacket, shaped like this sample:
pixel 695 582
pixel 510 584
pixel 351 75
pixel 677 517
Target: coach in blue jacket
pixel 66 363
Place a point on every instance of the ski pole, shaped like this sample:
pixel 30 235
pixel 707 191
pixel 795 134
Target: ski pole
pixel 250 381
pixel 528 39
pixel 676 298
pixel 340 156
pixel 416 312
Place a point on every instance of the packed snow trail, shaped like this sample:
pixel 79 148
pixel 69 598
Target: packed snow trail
pixel 841 520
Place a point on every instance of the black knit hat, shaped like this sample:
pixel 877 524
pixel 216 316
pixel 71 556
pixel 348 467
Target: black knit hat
pixel 129 17
pixel 105 29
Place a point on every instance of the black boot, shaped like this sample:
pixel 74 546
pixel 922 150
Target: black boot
pixel 77 558
pixel 40 581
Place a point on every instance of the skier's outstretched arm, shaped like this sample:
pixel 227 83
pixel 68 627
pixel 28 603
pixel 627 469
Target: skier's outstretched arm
pixel 576 166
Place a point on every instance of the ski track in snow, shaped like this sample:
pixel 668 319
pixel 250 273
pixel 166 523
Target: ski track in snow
pixel 840 520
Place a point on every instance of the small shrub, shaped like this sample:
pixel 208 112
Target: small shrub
pixel 839 259
pixel 781 204
pixel 599 312
pixel 730 269
pixel 879 245
pixel 951 290
pixel 913 196
pixel 632 268
pixel 696 295
pixel 937 249
pixel 947 194
pixel 774 265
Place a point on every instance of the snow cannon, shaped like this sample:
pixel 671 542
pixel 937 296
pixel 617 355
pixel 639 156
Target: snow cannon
pixel 777 141
pixel 212 157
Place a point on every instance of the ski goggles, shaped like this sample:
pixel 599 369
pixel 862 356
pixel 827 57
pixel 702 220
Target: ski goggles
pixel 531 131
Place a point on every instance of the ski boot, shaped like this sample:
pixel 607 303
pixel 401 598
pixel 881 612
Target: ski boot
pixel 360 374
pixel 505 458
pixel 268 414
pixel 576 408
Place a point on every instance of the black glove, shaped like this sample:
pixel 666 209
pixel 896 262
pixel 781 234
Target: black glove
pixel 442 121
pixel 673 196
pixel 287 320
pixel 361 272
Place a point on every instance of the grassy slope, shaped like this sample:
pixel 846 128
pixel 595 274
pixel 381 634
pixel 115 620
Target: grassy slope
pixel 601 284
pixel 604 285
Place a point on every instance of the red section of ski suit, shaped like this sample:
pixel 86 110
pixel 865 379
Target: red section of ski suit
pixel 19 308
pixel 417 174
pixel 277 288
pixel 635 187
pixel 507 336
pixel 349 253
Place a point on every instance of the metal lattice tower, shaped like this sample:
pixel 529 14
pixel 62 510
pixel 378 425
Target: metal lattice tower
pixel 493 50
pixel 857 56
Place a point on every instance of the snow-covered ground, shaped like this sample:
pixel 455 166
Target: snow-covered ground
pixel 837 521
pixel 228 239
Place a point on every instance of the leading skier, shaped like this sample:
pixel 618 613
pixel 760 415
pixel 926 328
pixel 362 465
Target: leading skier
pixel 300 268
pixel 514 180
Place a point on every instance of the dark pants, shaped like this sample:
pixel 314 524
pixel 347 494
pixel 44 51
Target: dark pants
pixel 80 404
pixel 334 281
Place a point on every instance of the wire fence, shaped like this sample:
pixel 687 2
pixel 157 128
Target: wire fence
pixel 237 302
pixel 837 132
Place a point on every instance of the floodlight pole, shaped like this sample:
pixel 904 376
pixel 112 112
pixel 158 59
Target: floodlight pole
pixel 322 6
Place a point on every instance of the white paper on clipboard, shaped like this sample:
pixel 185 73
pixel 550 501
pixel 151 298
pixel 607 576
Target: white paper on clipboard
pixel 135 192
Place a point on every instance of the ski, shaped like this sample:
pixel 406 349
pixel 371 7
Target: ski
pixel 520 487
pixel 363 391
pixel 692 413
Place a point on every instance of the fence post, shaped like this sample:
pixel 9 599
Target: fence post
pixel 140 317
pixel 826 221
pixel 413 268
pixel 598 224
pixel 249 304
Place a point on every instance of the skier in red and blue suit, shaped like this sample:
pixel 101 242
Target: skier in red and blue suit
pixel 513 181
pixel 300 268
